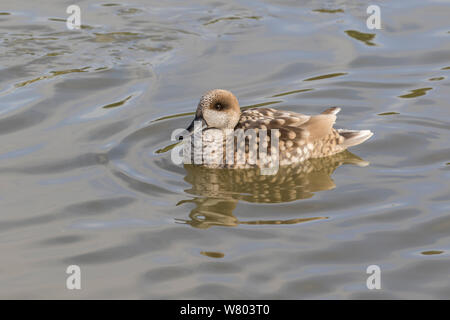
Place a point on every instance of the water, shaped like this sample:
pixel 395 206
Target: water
pixel 86 177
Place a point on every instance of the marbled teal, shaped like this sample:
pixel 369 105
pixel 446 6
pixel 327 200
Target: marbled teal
pixel 300 137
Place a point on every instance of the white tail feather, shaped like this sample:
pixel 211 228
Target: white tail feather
pixel 354 137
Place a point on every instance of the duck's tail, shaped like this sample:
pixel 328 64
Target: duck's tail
pixel 332 110
pixel 351 137
pixel 354 137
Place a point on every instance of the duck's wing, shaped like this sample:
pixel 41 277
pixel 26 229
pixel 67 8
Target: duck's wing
pixel 304 126
pixel 319 126
pixel 297 133
pixel 252 118
pixel 289 125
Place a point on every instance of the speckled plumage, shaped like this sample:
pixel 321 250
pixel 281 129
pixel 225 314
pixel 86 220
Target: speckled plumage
pixel 300 137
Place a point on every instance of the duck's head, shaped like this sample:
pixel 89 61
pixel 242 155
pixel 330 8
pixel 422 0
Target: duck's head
pixel 217 109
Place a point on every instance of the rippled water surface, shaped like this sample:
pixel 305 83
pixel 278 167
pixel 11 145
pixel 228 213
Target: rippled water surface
pixel 86 176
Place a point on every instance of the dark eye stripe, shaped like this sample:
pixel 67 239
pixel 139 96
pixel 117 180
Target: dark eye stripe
pixel 218 106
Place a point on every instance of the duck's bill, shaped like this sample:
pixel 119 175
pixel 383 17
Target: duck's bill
pixel 197 125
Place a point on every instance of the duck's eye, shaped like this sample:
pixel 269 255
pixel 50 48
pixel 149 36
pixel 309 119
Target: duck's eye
pixel 218 107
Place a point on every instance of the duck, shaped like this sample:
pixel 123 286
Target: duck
pixel 286 137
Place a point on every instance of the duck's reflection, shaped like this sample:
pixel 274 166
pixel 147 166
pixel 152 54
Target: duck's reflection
pixel 219 190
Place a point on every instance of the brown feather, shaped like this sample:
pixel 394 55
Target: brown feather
pixel 319 126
